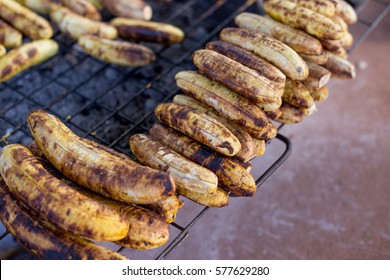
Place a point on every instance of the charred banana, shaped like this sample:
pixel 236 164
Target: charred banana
pixel 300 17
pixel 75 25
pixel 26 56
pixel 42 239
pixel 318 76
pixel 231 175
pixel 9 37
pixel 56 201
pixel 141 30
pixel 116 52
pixel 26 21
pixel 298 40
pixel 276 52
pixel 199 126
pixel 95 168
pixel 247 151
pixel 2 50
pixel 297 94
pixel 38 6
pixel 235 76
pixel 290 114
pixel 137 9
pixel 320 59
pixel 340 67
pixel 186 174
pixel 250 60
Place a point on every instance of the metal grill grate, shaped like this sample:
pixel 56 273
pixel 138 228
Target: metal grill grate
pixel 108 104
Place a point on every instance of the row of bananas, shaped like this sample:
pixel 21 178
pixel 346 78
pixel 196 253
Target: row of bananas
pixel 80 20
pixel 64 193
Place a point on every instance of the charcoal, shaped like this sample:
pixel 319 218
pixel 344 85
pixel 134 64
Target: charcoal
pixel 69 105
pixel 18 114
pixel 50 93
pixel 8 99
pixel 89 117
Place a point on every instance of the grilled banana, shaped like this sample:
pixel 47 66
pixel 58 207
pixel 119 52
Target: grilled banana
pixel 276 52
pixel 38 6
pixel 185 173
pixel 338 20
pixel 298 40
pixel 166 208
pixel 297 94
pixel 250 60
pixel 273 115
pixel 323 7
pixel 231 175
pixel 347 13
pixel 75 25
pixel 290 114
pixel 9 37
pixel 42 239
pixel 116 52
pixel 56 201
pixel 247 151
pixel 199 126
pixel 235 76
pixel 347 40
pixel 271 106
pixel 337 6
pixel 317 59
pixel 268 132
pixel 141 30
pixel 137 9
pixel 319 94
pixel 303 18
pixel 340 52
pixel 309 111
pixel 140 235
pixel 230 104
pixel 26 56
pixel 95 168
pixel 340 67
pixel 318 76
pixel 2 50
pixel 25 20
pixel 83 8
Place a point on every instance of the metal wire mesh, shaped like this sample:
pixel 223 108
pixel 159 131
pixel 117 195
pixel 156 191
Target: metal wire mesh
pixel 108 103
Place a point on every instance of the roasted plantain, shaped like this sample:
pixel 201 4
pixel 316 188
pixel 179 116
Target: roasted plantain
pixel 297 94
pixel 199 126
pixel 137 9
pixel 318 76
pixel 116 52
pixel 2 50
pixel 340 67
pixel 247 151
pixel 290 114
pixel 141 30
pixel 186 173
pixel 26 56
pixel 44 240
pixel 57 202
pixel 231 175
pixel 276 52
pixel 9 37
pixel 250 60
pixel 298 40
pixel 83 8
pixel 323 7
pixel 317 59
pixel 95 168
pixel 300 17
pixel 26 21
pixel 38 6
pixel 319 94
pixel 75 25
pixel 235 76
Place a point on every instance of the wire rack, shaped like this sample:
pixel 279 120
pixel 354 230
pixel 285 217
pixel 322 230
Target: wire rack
pixel 108 104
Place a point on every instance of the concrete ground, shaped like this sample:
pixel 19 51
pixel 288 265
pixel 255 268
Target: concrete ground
pixel 331 199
